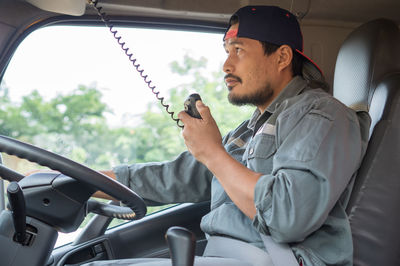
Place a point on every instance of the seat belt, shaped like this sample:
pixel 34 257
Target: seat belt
pixel 226 247
pixel 280 254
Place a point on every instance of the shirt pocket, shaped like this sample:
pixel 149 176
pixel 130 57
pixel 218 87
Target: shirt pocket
pixel 305 140
pixel 260 153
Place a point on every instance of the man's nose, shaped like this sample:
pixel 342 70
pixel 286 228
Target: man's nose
pixel 228 66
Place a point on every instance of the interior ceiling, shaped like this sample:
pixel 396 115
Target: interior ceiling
pixel 351 11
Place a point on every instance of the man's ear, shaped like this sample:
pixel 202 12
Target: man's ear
pixel 285 56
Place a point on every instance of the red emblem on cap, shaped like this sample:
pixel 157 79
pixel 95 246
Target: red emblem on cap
pixel 231 34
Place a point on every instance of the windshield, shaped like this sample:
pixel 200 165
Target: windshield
pixel 73 91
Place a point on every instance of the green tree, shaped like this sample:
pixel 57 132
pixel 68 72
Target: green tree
pixel 62 124
pixel 73 114
pixel 162 140
pixel 74 124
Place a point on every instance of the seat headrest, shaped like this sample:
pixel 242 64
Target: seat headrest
pixel 368 54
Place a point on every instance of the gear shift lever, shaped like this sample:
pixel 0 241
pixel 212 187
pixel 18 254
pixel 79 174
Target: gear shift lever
pixel 182 243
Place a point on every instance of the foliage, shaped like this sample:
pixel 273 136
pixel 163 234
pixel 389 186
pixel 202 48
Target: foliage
pixel 73 114
pixel 74 124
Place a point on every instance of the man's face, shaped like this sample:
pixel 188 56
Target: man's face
pixel 249 72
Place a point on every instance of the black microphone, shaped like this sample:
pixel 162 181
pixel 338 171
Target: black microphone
pixel 190 105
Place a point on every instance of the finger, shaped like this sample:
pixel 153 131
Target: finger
pixel 183 116
pixel 203 109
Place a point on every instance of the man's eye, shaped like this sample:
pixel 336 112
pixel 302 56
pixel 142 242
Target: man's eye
pixel 237 49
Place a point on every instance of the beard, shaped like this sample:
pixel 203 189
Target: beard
pixel 256 98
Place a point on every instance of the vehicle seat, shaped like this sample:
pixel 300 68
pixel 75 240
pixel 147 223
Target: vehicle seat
pixel 367 78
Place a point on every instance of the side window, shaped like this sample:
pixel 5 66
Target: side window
pixel 73 91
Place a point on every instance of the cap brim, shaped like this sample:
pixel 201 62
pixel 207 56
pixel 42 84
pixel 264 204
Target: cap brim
pixel 311 70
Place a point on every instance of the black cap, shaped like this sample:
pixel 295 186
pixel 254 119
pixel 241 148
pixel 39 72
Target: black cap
pixel 274 25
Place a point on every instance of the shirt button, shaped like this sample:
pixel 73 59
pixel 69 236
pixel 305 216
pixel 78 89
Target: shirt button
pixel 251 151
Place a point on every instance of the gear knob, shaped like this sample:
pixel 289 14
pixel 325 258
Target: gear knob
pixel 182 243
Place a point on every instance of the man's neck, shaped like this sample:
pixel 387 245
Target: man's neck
pixel 277 90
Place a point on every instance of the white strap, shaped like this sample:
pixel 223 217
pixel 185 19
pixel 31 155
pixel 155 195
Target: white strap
pixel 280 254
pixel 219 246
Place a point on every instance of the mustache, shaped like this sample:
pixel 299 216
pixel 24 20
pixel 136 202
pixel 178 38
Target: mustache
pixel 233 76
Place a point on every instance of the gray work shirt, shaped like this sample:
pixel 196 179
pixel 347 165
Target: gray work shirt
pixel 308 150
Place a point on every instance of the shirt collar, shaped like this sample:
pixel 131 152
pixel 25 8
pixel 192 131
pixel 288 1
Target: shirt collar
pixel 293 88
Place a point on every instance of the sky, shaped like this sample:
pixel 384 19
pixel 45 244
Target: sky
pixel 57 59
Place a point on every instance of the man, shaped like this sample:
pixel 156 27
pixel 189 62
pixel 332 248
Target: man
pixel 287 172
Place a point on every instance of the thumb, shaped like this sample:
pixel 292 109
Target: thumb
pixel 203 109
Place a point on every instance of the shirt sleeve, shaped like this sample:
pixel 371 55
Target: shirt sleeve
pixel 318 152
pixel 181 180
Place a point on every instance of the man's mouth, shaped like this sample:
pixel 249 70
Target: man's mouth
pixel 231 81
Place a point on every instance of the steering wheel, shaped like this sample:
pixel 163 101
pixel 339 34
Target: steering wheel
pixel 136 205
